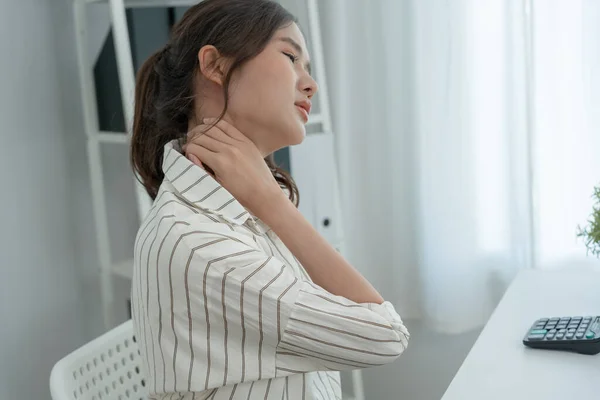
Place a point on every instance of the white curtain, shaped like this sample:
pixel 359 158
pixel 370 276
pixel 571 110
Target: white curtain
pixel 467 134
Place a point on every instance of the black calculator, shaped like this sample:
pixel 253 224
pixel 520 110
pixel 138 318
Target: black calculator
pixel 576 334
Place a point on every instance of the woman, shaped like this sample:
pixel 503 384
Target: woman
pixel 235 295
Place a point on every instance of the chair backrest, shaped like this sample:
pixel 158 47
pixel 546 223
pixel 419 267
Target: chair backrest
pixel 107 368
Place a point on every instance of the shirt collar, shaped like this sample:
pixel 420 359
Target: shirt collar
pixel 198 188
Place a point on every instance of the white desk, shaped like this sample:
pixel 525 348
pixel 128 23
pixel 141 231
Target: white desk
pixel 499 367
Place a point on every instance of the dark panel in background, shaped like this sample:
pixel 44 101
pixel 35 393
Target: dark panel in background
pixel 149 32
pixel 108 95
pixel 282 158
pixel 179 11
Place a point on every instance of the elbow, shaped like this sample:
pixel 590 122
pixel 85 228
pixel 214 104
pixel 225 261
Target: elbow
pixel 398 334
pixel 403 338
pixel 399 344
pixel 394 346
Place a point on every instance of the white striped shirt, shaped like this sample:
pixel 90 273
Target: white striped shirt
pixel 222 309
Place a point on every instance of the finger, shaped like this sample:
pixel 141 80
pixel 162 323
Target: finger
pixel 197 131
pixel 199 163
pixel 217 133
pixel 227 128
pixel 204 156
pixel 195 160
pixel 212 131
pixel 211 144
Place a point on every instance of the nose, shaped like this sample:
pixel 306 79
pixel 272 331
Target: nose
pixel 309 86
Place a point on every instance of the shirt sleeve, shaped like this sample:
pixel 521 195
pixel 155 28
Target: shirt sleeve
pixel 328 332
pixel 247 316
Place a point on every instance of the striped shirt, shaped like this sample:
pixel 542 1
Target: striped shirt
pixel 222 309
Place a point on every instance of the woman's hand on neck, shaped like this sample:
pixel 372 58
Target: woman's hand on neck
pixel 194 122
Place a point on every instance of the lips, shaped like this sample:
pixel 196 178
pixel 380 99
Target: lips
pixel 304 107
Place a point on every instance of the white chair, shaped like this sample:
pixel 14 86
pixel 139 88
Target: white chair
pixel 107 368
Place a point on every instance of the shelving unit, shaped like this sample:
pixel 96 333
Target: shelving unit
pixel 317 181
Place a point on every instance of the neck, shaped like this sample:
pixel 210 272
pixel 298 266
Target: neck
pixel 195 121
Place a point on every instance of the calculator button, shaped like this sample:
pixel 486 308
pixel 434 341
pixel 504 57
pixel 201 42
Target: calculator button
pixel 554 319
pixel 578 318
pixel 559 336
pixel 560 326
pixel 562 330
pixel 569 335
pixel 538 332
pixel 571 330
pixel 579 335
pixel 535 337
pixel 539 326
pixel 590 335
pixel 587 319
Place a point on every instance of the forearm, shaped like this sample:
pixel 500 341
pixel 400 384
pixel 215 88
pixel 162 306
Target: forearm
pixel 326 267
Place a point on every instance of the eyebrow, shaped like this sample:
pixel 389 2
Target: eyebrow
pixel 298 48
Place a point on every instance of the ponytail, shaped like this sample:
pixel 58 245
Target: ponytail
pixel 156 122
pixel 146 149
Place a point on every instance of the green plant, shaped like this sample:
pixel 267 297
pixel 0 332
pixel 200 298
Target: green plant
pixel 591 233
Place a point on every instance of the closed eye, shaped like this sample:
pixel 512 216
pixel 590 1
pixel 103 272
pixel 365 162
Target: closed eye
pixel 291 57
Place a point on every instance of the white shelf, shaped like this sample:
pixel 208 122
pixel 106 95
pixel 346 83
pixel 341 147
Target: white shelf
pixel 112 137
pixel 315 119
pixel 124 269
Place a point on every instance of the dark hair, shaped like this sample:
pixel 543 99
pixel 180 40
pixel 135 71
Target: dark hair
pixel 164 94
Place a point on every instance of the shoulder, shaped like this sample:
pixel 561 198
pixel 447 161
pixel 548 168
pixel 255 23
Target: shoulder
pixel 193 222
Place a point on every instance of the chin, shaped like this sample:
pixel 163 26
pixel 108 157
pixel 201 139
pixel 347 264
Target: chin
pixel 297 133
pixel 298 136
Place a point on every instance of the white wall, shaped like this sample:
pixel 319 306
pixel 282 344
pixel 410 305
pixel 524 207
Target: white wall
pixel 40 310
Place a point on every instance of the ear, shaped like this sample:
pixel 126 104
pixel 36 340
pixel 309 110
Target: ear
pixel 212 64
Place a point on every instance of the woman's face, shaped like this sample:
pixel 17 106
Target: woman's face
pixel 270 95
